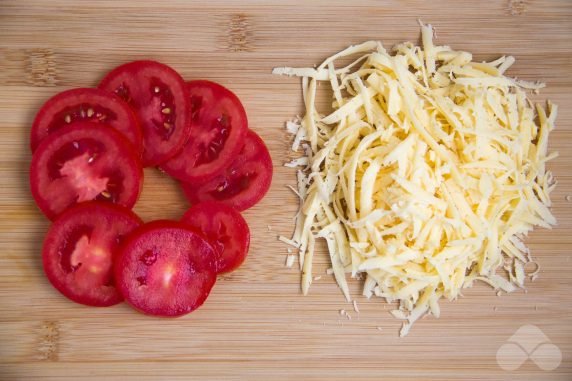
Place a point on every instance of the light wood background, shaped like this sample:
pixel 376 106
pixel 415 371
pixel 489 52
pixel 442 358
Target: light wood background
pixel 256 325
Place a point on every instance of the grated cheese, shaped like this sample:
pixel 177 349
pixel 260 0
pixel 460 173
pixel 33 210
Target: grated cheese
pixel 426 177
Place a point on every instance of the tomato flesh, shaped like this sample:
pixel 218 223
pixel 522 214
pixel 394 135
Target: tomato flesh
pixel 225 229
pixel 86 105
pixel 243 183
pixel 158 96
pixel 218 127
pixel 79 250
pixel 82 162
pixel 165 269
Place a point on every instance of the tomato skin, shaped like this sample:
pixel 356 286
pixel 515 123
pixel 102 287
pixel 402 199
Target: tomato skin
pixel 225 229
pixel 243 183
pixel 105 224
pixel 218 127
pixel 86 104
pixel 157 95
pixel 55 191
pixel 165 268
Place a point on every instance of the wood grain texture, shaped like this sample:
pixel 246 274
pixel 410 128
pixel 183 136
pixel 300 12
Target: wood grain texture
pixel 256 325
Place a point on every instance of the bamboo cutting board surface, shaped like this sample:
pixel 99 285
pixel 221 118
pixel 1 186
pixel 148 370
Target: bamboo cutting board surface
pixel 256 325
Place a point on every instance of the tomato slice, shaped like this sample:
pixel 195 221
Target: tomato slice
pixel 243 183
pixel 225 229
pixel 79 250
pixel 165 269
pixel 218 129
pixel 81 162
pixel 87 105
pixel 158 96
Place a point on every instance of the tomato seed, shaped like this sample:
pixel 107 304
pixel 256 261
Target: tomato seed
pixel 148 258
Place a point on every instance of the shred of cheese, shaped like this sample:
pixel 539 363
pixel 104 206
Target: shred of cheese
pixel 290 260
pixel 356 309
pixel 426 176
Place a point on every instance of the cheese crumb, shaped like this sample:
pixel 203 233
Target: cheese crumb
pixel 345 314
pixel 356 309
pixel 425 177
pixel 290 259
pixel 288 241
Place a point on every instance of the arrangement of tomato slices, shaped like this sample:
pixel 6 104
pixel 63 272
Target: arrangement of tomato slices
pixel 89 150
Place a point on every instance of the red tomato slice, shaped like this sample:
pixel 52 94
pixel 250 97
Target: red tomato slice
pixel 86 105
pixel 225 229
pixel 157 94
pixel 218 129
pixel 165 269
pixel 79 250
pixel 243 183
pixel 81 162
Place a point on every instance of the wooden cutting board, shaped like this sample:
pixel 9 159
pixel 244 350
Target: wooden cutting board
pixel 256 325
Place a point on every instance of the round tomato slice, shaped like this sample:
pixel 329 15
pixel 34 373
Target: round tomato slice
pixel 82 162
pixel 218 129
pixel 80 248
pixel 243 183
pixel 225 229
pixel 86 105
pixel 165 269
pixel 158 96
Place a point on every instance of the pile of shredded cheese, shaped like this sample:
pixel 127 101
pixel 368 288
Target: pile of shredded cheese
pixel 427 175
